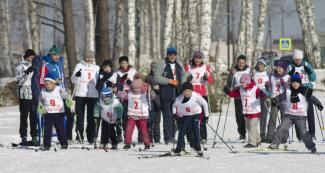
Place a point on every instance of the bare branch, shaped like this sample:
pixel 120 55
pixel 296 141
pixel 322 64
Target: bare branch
pixel 47 5
pixel 52 20
pixel 55 27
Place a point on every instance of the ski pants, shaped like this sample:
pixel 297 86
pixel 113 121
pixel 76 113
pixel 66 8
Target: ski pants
pixel 186 122
pixel 240 120
pixel 251 126
pixel 108 132
pixel 142 125
pixel 169 126
pixel 26 108
pixel 273 121
pixel 56 119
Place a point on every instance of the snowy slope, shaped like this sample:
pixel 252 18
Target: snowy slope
pixel 221 160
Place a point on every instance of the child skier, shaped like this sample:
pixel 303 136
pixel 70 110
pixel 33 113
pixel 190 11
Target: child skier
pixel 138 110
pixel 52 107
pixel 188 106
pixel 200 76
pixel 24 73
pixel 296 112
pixel 250 96
pixel 276 86
pixel 109 109
pixel 261 76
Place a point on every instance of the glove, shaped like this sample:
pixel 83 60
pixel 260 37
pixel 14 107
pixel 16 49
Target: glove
pixel 29 70
pixel 124 77
pixel 189 78
pixel 319 106
pixel 78 74
pixel 205 76
pixel 173 82
pixel 109 84
pixel 226 90
pixel 307 70
pixel 273 101
pixel 69 103
pixel 41 108
pixel 206 119
pixel 128 82
pixel 106 76
pixel 292 71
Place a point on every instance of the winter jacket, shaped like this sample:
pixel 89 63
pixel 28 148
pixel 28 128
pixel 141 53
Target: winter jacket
pixel 53 101
pixel 191 107
pixel 121 83
pixel 108 112
pixel 151 81
pixel 234 77
pixel 56 68
pixel 24 80
pixel 306 78
pixel 85 85
pixel 197 72
pixel 163 74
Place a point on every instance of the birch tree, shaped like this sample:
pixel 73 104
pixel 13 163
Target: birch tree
pixel 178 28
pixel 240 50
pixel 153 33
pixel 249 31
pixel 186 45
pixel 119 29
pixel 34 26
pixel 168 24
pixel 315 47
pixel 260 29
pixel 132 51
pixel 4 38
pixel 27 32
pixel 90 26
pixel 193 25
pixel 205 31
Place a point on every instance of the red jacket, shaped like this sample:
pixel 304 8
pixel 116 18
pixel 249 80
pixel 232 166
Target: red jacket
pixel 200 87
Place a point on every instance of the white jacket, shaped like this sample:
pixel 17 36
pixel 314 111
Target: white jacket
pixel 85 85
pixel 191 107
pixel 24 80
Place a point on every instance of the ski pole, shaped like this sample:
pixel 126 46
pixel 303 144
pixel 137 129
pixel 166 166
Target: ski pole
pixel 320 125
pixel 321 116
pixel 221 139
pixel 215 136
pixel 224 126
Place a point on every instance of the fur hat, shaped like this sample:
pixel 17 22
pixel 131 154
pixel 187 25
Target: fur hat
pixel 245 78
pixel 187 85
pixel 28 53
pixel 297 54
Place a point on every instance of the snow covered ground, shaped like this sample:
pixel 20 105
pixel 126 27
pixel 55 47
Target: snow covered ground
pixel 221 160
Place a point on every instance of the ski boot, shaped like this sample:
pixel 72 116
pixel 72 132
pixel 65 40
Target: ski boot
pixel 127 146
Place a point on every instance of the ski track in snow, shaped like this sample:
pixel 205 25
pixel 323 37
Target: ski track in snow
pixel 221 160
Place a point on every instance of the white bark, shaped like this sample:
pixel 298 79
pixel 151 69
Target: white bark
pixel 34 26
pixel 315 51
pixel 304 26
pixel 27 33
pixel 90 27
pixel 153 32
pixel 193 25
pixel 260 30
pixel 249 31
pixel 158 28
pixel 119 29
pixel 132 38
pixel 178 28
pixel 205 31
pixel 168 24
pixel 240 50
pixel 4 40
pixel 186 45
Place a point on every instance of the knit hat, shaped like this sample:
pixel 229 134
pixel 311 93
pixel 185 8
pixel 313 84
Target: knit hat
pixel 54 50
pixel 28 53
pixel 261 60
pixel 245 78
pixel 296 78
pixel 106 91
pixel 282 64
pixel 107 62
pixel 123 58
pixel 89 54
pixel 198 54
pixel 137 82
pixel 297 54
pixel 187 85
pixel 51 77
pixel 171 50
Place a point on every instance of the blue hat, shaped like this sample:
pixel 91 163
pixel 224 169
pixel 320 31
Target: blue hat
pixel 171 50
pixel 106 91
pixel 296 78
pixel 51 77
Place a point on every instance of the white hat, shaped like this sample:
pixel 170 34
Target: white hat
pixel 297 54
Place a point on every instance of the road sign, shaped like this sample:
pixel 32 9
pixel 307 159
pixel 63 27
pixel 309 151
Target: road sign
pixel 285 44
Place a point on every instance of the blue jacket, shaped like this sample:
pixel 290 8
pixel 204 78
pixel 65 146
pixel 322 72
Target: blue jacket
pixel 50 66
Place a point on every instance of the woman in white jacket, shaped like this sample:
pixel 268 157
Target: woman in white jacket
pixel 84 77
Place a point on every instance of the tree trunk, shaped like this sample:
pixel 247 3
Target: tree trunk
pixel 34 26
pixel 304 26
pixel 193 25
pixel 6 69
pixel 153 30
pixel 178 28
pixel 119 29
pixel 69 35
pixel 242 29
pixel 186 45
pixel 205 31
pixel 101 31
pixel 315 47
pixel 27 43
pixel 260 30
pixel 249 31
pixel 90 26
pixel 168 24
pixel 132 38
